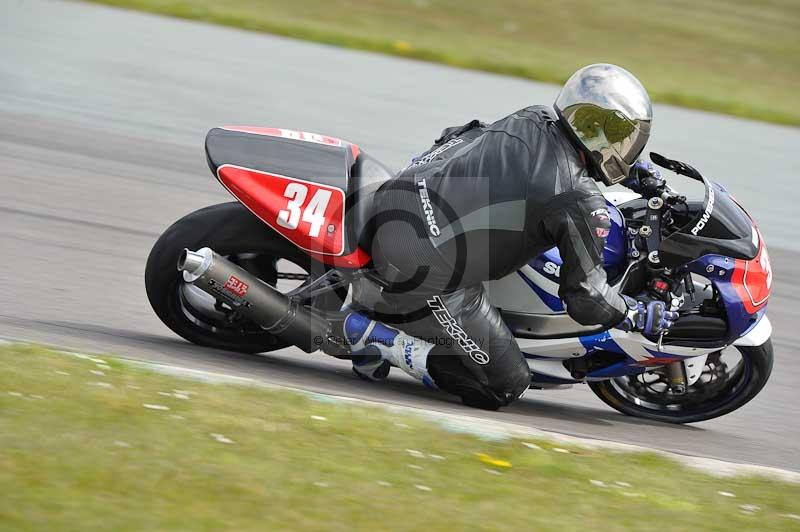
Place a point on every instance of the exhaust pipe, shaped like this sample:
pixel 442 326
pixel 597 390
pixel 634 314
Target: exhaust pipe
pixel 253 298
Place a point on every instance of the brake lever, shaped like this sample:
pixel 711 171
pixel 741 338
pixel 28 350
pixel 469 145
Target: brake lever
pixel 671 197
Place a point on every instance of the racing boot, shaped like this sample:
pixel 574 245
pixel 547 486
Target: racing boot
pixel 377 347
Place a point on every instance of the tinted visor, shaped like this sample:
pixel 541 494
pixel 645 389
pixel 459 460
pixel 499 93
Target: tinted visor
pixel 614 140
pixel 635 143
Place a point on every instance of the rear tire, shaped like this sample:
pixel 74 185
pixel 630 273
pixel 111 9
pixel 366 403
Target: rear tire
pixel 230 230
pixel 755 373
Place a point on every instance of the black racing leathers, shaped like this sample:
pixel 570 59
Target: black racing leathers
pixel 484 201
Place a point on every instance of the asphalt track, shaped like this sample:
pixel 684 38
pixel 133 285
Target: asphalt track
pixel 102 118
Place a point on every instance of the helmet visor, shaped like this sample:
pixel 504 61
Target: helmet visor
pixel 614 140
pixel 632 147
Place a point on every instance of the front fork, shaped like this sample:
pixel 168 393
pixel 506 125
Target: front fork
pixel 684 373
pixel 676 377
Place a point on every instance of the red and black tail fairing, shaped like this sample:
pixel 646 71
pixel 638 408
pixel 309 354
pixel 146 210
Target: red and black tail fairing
pixel 298 183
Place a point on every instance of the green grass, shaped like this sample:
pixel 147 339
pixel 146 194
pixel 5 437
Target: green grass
pixel 75 455
pixel 740 57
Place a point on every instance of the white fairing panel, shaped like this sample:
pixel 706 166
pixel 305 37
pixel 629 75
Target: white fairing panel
pixel 513 293
pixel 618 197
pixel 633 344
pixel 693 368
pixel 757 335
pixel 559 348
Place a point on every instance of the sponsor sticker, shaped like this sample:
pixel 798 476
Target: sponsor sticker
pixel 701 223
pixel 309 214
pixel 236 286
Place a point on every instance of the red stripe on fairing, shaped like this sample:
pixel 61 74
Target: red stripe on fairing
pixel 357 259
pixel 752 279
pixel 657 361
pixel 288 134
pixel 263 194
pixel 355 150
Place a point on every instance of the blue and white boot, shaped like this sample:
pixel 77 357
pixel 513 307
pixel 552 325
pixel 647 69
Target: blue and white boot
pixel 377 347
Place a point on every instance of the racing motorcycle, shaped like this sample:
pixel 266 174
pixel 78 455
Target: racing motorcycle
pixel 275 269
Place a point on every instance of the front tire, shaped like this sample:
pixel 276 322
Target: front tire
pixel 712 398
pixel 232 231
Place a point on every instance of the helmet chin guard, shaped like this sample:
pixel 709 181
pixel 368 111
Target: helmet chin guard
pixel 607 112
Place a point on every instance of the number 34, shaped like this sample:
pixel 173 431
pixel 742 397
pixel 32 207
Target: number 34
pixel 294 213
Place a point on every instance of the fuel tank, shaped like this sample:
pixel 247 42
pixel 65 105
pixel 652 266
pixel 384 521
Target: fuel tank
pixel 534 288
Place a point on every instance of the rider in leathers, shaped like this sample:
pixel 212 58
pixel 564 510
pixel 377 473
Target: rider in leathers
pixel 478 205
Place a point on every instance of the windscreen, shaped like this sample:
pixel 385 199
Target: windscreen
pixel 716 225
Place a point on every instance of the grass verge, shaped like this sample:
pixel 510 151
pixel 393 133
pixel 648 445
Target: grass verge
pixel 89 444
pixel 737 57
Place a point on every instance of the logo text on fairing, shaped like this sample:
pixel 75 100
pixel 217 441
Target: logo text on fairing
pixel 552 268
pixel 454 330
pixel 706 215
pixel 427 208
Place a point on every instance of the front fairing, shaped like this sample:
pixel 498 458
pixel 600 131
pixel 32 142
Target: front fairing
pixel 743 287
pixel 719 242
pixel 717 225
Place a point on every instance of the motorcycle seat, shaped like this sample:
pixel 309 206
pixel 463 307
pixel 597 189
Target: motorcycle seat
pixel 282 152
pixel 368 174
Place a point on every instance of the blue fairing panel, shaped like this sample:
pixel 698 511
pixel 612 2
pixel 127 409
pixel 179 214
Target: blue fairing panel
pixel 615 252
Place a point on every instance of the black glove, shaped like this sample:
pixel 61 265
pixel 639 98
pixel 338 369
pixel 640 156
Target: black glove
pixel 645 179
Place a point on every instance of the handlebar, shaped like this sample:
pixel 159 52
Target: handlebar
pixel 671 197
pixel 648 181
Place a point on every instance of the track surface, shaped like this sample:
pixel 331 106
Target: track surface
pixel 102 119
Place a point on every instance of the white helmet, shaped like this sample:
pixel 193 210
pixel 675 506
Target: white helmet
pixel 608 113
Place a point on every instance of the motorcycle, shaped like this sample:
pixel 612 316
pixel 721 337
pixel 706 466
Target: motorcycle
pixel 277 267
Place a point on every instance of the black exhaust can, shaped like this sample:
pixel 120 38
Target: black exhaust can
pixel 253 298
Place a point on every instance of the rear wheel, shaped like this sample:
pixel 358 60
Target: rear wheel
pixel 232 231
pixel 731 378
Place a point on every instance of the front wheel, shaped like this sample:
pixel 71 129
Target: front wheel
pixel 731 378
